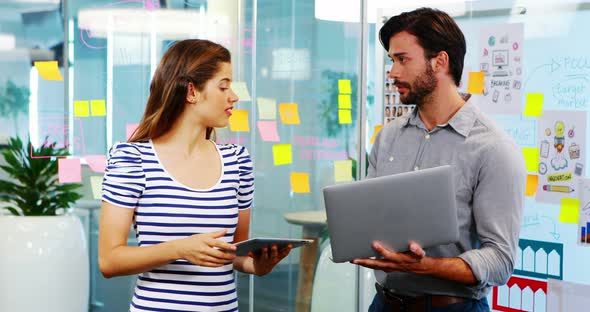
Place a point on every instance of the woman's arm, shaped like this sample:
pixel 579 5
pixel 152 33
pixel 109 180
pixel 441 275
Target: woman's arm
pixel 115 258
pixel 243 264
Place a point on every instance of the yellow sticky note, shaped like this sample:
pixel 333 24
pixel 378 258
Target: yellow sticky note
pixel 532 181
pixel 96 183
pixel 289 113
pixel 344 116
pixel 534 104
pixel 241 90
pixel 238 121
pixel 48 70
pixel 344 86
pixel 281 154
pixel 267 108
pixel 476 82
pixel 81 109
pixel 531 158
pixel 98 107
pixel 344 101
pixel 570 210
pixel 375 132
pixel 343 170
pixel 300 182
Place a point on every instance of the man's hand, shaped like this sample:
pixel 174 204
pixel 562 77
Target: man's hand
pixel 411 261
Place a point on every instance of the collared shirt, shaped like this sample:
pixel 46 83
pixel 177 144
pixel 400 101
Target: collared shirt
pixel 489 175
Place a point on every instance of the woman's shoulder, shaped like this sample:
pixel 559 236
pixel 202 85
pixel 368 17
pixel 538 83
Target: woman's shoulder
pixel 130 149
pixel 236 149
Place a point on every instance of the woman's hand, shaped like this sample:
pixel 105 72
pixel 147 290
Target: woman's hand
pixel 205 249
pixel 264 262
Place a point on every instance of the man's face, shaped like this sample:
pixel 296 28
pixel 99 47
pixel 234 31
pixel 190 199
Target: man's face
pixel 411 71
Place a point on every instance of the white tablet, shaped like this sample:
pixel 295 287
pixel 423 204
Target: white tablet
pixel 256 244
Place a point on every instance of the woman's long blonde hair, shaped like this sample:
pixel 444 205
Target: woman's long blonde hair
pixel 189 61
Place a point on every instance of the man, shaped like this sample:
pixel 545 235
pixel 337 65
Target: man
pixel 427 49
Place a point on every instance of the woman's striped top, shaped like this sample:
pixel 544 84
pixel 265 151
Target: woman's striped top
pixel 166 210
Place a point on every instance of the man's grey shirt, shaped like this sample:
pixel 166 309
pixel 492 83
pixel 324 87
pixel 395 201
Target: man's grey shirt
pixel 489 175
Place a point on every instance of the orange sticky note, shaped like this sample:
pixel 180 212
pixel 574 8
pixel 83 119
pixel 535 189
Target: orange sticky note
pixel 531 158
pixel 343 170
pixel 375 132
pixel 238 121
pixel 81 109
pixel 48 70
pixel 282 154
pixel 344 116
pixel 96 183
pixel 570 210
pixel 344 86
pixel 69 170
pixel 268 130
pixel 97 163
pixel 532 181
pixel 344 101
pixel 300 182
pixel 533 106
pixel 130 129
pixel 476 83
pixel 289 113
pixel 98 107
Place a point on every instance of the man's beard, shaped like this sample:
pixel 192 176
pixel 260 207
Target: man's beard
pixel 423 86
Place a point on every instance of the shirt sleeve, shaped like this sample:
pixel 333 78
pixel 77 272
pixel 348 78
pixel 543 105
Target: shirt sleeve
pixel 372 172
pixel 124 179
pixel 246 189
pixel 498 202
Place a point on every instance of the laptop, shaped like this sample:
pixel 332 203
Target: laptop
pixel 395 209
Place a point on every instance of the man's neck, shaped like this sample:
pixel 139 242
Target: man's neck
pixel 440 106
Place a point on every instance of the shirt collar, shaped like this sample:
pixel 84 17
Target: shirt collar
pixel 462 122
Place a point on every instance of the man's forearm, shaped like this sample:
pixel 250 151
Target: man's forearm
pixel 453 269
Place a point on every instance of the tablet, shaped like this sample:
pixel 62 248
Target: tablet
pixel 256 244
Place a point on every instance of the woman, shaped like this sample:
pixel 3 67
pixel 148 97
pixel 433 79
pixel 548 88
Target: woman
pixel 187 197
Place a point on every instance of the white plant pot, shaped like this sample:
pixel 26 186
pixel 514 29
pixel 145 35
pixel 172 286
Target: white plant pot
pixel 43 264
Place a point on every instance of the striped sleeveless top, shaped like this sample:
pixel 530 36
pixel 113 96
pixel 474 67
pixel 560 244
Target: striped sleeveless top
pixel 166 210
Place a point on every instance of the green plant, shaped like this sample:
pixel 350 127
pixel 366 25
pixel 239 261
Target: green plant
pixel 34 187
pixel 14 100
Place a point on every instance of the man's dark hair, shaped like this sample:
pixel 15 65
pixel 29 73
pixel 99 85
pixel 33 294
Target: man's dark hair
pixel 435 30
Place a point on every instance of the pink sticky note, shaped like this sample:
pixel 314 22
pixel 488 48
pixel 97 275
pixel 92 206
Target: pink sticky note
pixel 69 170
pixel 268 130
pixel 130 129
pixel 97 163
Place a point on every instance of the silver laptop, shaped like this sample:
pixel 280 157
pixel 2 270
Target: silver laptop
pixel 395 209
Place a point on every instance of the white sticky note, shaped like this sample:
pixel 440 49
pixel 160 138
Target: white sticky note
pixel 241 90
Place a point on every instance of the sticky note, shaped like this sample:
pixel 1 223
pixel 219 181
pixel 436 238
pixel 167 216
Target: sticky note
pixel 267 108
pixel 281 154
pixel 241 90
pixel 533 106
pixel 344 86
pixel 532 181
pixel 81 109
pixel 300 182
pixel 69 170
pixel 476 83
pixel 96 184
pixel 238 121
pixel 531 158
pixel 268 130
pixel 375 132
pixel 48 70
pixel 98 107
pixel 343 170
pixel 344 116
pixel 97 163
pixel 289 113
pixel 344 101
pixel 570 210
pixel 130 129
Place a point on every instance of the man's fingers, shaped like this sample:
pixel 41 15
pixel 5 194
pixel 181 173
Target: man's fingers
pixel 417 250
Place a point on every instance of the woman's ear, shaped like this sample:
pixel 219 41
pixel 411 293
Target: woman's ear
pixel 192 95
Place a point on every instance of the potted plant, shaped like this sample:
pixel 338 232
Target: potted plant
pixel 43 253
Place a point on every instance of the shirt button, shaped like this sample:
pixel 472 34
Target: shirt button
pixel 427 136
pixel 391 158
pixel 416 168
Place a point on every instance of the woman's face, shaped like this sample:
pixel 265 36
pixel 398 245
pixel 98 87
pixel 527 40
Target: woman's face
pixel 215 102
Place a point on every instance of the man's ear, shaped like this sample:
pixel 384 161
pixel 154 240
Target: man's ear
pixel 440 62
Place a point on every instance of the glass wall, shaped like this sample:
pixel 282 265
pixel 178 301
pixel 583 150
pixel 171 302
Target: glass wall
pixel 312 79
